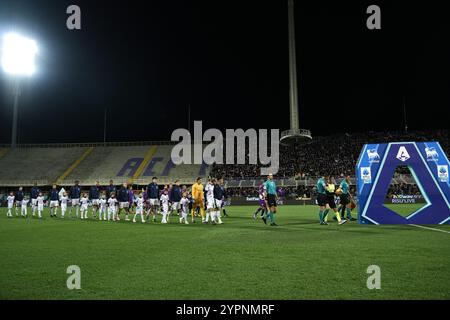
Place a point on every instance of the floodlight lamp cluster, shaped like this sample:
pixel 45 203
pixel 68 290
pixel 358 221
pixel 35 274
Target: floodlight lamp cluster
pixel 17 54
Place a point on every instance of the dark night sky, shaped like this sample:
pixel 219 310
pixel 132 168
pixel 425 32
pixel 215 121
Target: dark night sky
pixel 147 61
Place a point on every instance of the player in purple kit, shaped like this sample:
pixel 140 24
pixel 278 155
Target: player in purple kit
pixel 262 203
pixel 130 199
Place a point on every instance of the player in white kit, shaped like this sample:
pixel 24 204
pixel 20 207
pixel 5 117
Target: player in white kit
pixel 84 206
pixel 10 200
pixel 102 207
pixel 209 190
pixel 24 211
pixel 139 208
pixel 112 202
pixel 184 203
pixel 64 199
pixel 165 206
pixel 219 195
pixel 40 204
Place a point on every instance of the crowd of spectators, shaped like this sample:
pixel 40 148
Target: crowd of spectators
pixel 334 154
pixel 403 189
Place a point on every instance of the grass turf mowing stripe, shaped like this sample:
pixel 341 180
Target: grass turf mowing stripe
pixel 241 259
pixel 74 165
pixel 143 164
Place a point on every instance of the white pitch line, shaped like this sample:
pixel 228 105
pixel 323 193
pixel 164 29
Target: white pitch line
pixel 428 228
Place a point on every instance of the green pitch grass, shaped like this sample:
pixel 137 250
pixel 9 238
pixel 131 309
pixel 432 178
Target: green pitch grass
pixel 242 259
pixel 405 209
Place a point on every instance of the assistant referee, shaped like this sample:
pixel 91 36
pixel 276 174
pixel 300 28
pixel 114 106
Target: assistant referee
pixel 271 198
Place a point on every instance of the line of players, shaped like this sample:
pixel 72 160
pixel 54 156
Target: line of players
pixel 110 203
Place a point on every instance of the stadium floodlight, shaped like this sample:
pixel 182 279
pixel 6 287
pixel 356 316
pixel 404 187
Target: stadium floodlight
pixel 295 135
pixel 17 54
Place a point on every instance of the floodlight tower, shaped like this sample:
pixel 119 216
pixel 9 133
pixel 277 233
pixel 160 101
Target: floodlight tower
pixel 17 60
pixel 295 135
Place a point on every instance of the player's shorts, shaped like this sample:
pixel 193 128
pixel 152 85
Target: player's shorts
pixel 84 207
pixel 331 201
pixel 40 207
pixel 139 210
pixel 124 205
pixel 217 203
pixel 322 200
pixel 210 203
pixel 165 208
pixel 33 202
pixel 95 202
pixel 10 205
pixel 153 202
pixel 63 206
pixel 262 203
pixel 75 202
pixel 271 200
pixel 175 206
pixel 344 199
pixel 54 203
pixel 112 209
pixel 18 203
pixel 198 202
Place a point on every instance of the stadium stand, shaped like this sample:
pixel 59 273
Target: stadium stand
pixel 63 164
pixel 105 163
pixel 138 162
pixel 133 164
pixel 334 154
pixel 22 166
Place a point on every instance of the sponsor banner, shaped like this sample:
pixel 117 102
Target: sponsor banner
pixel 406 198
pixel 366 175
pixel 442 173
pixel 253 201
pixel 431 154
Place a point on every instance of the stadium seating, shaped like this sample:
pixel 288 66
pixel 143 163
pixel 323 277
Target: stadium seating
pixel 23 166
pixel 105 163
pixel 137 163
pixel 90 163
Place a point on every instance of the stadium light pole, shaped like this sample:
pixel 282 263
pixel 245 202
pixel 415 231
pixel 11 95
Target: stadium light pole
pixel 18 54
pixel 294 135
